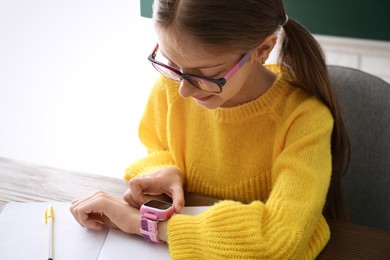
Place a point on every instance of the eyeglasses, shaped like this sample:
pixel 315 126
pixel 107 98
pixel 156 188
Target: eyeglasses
pixel 208 84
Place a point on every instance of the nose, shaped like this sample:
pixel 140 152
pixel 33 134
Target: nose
pixel 186 89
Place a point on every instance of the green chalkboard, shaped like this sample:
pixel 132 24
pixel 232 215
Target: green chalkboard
pixel 146 8
pixel 366 19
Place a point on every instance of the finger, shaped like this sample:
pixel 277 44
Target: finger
pixel 93 224
pixel 74 207
pixel 85 209
pixel 80 215
pixel 178 198
pixel 77 202
pixel 138 187
pixel 129 199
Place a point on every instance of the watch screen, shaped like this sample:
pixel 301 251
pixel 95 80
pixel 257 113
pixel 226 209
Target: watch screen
pixel 158 204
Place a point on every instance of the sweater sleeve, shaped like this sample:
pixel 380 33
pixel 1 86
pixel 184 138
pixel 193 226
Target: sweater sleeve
pixel 153 133
pixel 289 225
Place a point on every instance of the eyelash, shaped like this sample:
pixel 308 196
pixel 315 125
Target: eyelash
pixel 215 76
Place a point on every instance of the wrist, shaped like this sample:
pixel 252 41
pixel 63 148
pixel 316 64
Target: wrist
pixel 163 231
pixel 130 223
pixel 137 225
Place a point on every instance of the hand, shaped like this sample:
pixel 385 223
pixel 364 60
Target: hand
pixel 101 210
pixel 162 181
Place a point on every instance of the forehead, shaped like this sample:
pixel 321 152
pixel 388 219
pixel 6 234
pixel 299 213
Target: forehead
pixel 185 51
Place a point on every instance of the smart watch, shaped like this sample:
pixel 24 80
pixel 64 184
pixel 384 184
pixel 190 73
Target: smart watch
pixel 152 212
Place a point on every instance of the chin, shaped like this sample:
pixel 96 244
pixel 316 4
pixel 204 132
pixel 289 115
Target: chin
pixel 210 104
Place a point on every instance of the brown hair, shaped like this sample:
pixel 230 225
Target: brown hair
pixel 233 25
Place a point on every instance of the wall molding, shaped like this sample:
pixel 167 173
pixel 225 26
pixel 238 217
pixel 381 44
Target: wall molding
pixel 354 45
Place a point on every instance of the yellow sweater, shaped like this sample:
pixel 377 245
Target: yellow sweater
pixel 268 160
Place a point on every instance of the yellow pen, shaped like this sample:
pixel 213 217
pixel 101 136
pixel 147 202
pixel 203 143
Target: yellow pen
pixel 49 219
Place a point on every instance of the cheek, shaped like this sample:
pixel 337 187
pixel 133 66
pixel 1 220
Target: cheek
pixel 232 87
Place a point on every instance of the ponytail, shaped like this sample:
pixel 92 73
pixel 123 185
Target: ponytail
pixel 306 68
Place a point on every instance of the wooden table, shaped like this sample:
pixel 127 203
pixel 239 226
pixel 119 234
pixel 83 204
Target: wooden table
pixel 25 182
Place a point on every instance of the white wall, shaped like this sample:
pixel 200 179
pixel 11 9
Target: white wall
pixel 74 79
pixel 73 82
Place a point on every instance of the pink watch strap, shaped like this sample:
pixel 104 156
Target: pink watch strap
pixel 149 230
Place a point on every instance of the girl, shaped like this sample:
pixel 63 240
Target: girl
pixel 267 140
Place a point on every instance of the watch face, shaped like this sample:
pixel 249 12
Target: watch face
pixel 158 204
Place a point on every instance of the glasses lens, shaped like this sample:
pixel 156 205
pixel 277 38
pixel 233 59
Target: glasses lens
pixel 164 70
pixel 204 84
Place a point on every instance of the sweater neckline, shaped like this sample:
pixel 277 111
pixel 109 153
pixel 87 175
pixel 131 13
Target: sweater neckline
pixel 261 105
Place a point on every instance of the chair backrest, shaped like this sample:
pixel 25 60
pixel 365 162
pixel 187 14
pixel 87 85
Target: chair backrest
pixel 365 103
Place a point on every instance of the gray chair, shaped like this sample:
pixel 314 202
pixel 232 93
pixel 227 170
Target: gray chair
pixel 365 103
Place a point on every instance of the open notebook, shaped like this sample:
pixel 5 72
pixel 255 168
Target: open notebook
pixel 23 235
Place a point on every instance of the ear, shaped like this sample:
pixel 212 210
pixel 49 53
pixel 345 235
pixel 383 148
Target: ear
pixel 263 50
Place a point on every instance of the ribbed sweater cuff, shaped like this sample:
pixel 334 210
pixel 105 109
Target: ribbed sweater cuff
pixel 180 229
pixel 215 233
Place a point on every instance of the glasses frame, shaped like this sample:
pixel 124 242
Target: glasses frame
pixel 220 82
